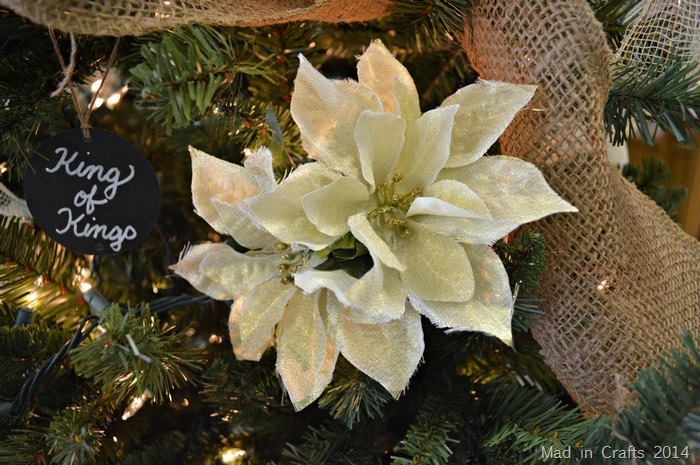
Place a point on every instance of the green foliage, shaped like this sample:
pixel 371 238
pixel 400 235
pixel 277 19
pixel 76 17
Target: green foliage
pixel 429 437
pixel 136 353
pixel 523 256
pixel 525 420
pixel 29 72
pixel 186 74
pixel 23 348
pixel 76 435
pixel 431 22
pixel 165 451
pixel 333 444
pixel 654 179
pixel 38 272
pixel 668 407
pixel 663 95
pixel 353 396
pixel 615 15
pixel 24 446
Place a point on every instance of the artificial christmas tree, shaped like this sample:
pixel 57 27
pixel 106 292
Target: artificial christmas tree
pixel 344 248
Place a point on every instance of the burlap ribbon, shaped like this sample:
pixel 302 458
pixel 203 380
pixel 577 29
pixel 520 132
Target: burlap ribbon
pixel 623 279
pixel 136 17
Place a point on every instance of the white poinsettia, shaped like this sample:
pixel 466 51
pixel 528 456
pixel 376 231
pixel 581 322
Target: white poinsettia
pixel 308 330
pixel 414 188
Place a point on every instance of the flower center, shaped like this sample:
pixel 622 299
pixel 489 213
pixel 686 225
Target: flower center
pixel 391 207
pixel 291 262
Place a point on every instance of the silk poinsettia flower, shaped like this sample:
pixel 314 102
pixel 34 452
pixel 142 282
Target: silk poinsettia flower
pixel 414 188
pixel 308 329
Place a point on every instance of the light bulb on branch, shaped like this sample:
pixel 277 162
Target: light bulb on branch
pixel 233 456
pixel 136 404
pixel 96 301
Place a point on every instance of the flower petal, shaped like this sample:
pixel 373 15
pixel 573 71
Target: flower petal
pixel 237 272
pixel 326 112
pixel 513 190
pixel 377 297
pixel 449 198
pixel 379 138
pixel 329 207
pixel 259 165
pixel 377 69
pixel 363 232
pixel 262 310
pixel 188 267
pixel 485 110
pixel 437 267
pixel 281 212
pixel 491 309
pixel 426 149
pixel 241 226
pixel 467 230
pixel 213 178
pixel 406 101
pixel 306 356
pixel 388 353
pixel 253 353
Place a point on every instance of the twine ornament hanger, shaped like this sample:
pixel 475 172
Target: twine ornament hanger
pixel 67 81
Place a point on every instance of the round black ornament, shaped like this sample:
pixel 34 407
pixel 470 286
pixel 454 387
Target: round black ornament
pixel 99 197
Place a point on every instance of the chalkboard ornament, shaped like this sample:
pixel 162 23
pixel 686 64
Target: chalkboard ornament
pixel 96 197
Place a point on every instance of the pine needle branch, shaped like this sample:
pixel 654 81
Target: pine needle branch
pixel 528 421
pixel 76 434
pixel 428 439
pixel 136 353
pixel 664 95
pixel 353 396
pixel 185 74
pixel 668 407
pixel 38 273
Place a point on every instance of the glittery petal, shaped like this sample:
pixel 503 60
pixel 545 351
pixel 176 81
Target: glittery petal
pixel 326 112
pixel 281 212
pixel 377 297
pixel 240 225
pixel 253 353
pixel 490 310
pixel 259 165
pixel 363 231
pixel 438 267
pixel 189 268
pixel 213 178
pixel 485 110
pixel 388 352
pixel 449 198
pixel 377 69
pixel 519 195
pixel 262 310
pixel 237 272
pixel 426 149
pixel 306 356
pixel 329 207
pixel 379 137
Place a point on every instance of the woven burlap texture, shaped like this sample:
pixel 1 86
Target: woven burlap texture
pixel 136 17
pixel 622 278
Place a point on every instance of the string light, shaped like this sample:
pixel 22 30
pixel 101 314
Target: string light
pixel 136 404
pixel 95 300
pixel 25 317
pixel 233 456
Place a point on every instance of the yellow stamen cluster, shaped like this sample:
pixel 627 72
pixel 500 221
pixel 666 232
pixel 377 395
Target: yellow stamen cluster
pixel 392 207
pixel 292 262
